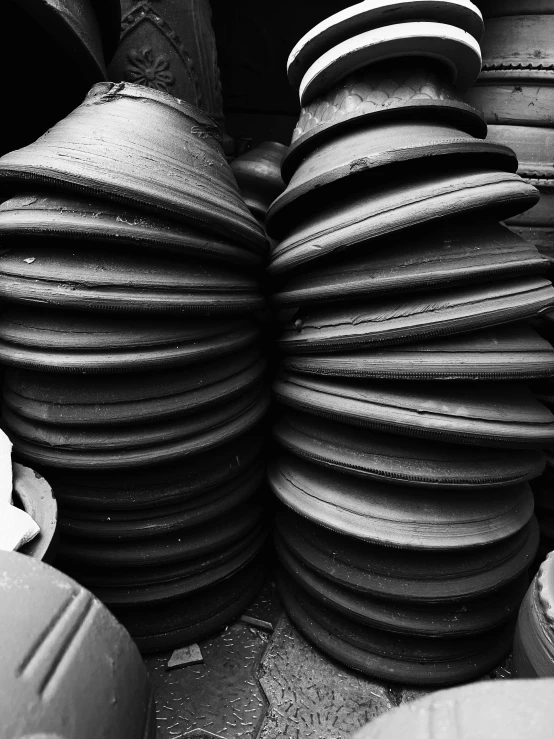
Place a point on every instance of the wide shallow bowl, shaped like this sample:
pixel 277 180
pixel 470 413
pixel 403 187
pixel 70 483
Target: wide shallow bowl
pixel 94 343
pixel 67 216
pixel 58 647
pixel 372 325
pixel 390 657
pixel 371 14
pixel 503 415
pixel 354 219
pixel 398 459
pixel 408 576
pixel 451 254
pixel 355 153
pixel 457 51
pixel 396 515
pixel 512 352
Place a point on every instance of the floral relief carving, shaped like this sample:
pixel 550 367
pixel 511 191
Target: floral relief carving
pixel 149 70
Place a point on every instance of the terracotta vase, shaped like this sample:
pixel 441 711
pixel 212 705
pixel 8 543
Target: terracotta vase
pixel 367 16
pixel 506 707
pixel 533 645
pixel 35 496
pixel 83 636
pixel 169 45
pixel 145 149
pixel 258 174
pixel 516 85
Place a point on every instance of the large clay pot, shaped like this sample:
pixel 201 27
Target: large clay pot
pixel 533 645
pixel 143 148
pixel 494 708
pixel 516 85
pixel 169 45
pixel 70 669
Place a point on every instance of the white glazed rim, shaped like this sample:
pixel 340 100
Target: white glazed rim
pixel 379 41
pixel 375 10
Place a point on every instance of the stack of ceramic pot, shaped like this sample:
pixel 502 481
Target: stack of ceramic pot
pixel 516 93
pixel 258 175
pixel 135 372
pixel 408 434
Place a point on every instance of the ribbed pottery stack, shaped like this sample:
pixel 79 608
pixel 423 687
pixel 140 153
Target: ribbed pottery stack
pixel 516 93
pixel 135 370
pixel 408 434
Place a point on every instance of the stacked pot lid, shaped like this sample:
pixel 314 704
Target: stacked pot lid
pixel 135 377
pixel 516 92
pixel 408 434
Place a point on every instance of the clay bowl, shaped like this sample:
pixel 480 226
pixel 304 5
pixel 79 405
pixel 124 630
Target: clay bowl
pixel 394 90
pixel 169 625
pixel 370 15
pixel 358 217
pixel 501 415
pixel 93 343
pixel 32 493
pixel 407 659
pixel 512 352
pixel 396 459
pixel 131 492
pixel 130 130
pixel 379 153
pixel 361 325
pixel 396 515
pixel 85 221
pixel 499 708
pixel 83 636
pixel 108 280
pixel 458 52
pixel 533 645
pixel 258 174
pixel 451 255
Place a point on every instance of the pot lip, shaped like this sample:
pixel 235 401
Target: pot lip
pixel 348 22
pixel 454 112
pixel 104 92
pixel 38 547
